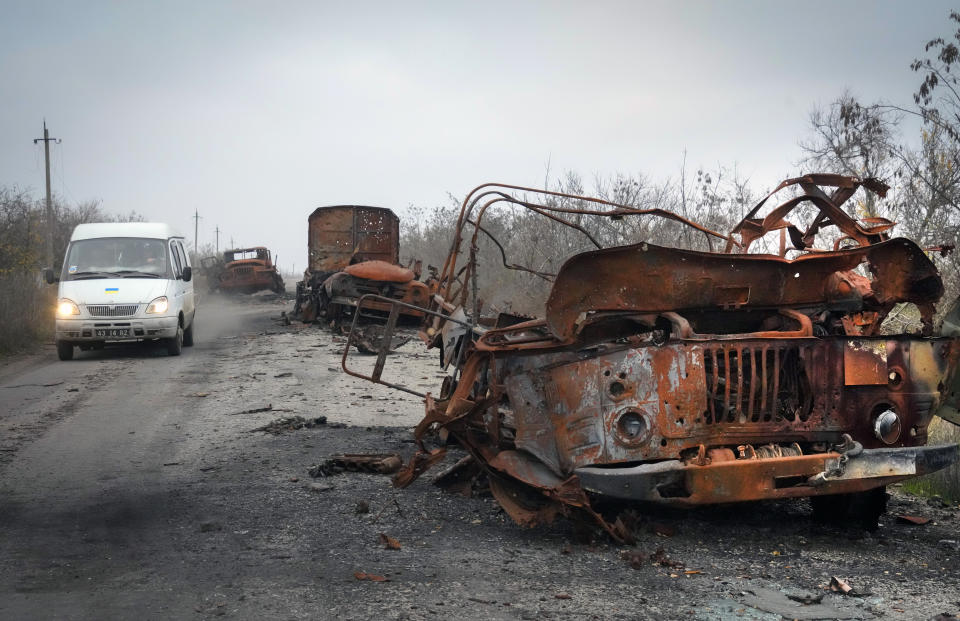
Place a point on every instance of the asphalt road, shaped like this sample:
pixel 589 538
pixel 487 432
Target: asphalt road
pixel 133 484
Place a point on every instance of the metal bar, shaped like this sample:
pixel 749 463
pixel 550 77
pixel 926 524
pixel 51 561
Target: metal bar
pixel 740 350
pixel 776 380
pixel 353 327
pixel 753 386
pixel 713 396
pixel 763 391
pixel 726 385
pixel 387 339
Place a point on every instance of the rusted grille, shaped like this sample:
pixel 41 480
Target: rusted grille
pixel 106 310
pixel 243 271
pixel 756 384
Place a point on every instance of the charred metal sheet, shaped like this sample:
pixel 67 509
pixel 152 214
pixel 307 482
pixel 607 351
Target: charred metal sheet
pixel 644 278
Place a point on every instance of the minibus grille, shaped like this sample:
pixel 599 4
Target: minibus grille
pixel 117 310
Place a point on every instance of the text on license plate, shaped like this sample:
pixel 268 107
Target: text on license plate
pixel 112 332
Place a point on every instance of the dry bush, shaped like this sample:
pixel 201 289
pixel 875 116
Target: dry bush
pixel 944 483
pixel 26 310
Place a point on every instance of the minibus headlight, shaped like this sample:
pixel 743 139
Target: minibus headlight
pixel 66 307
pixel 158 306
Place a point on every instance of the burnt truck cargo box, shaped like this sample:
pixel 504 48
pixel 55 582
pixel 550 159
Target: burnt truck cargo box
pixel 342 235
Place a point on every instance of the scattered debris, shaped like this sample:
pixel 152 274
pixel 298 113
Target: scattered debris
pixel 838 585
pixel 34 385
pixel 359 575
pixel 284 374
pixel 318 487
pixel 291 423
pixel 268 408
pixel 209 527
pixel 913 519
pixel 374 463
pixel 389 543
pixel 362 507
pixel 776 602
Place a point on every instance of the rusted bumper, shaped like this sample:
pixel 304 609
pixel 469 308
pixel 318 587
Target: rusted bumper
pixel 673 482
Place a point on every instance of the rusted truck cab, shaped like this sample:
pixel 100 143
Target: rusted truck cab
pixel 686 377
pixel 247 270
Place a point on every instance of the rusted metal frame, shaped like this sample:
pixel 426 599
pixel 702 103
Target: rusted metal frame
pixel 837 216
pixel 849 185
pixel 509 199
pixel 503 256
pixel 763 385
pixel 385 346
pixel 471 200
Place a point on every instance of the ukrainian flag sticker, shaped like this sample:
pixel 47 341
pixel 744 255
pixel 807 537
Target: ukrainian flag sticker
pixel 111 290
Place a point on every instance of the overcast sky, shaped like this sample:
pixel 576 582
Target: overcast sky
pixel 255 113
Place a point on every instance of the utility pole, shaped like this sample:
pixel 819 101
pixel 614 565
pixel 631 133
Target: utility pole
pixel 231 242
pixel 46 152
pixel 218 239
pixel 196 225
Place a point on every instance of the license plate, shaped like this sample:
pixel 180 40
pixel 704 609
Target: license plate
pixel 112 332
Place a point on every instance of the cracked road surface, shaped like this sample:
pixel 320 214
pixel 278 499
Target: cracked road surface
pixel 132 484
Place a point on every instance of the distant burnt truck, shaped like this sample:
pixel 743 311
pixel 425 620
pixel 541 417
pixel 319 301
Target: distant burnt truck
pixel 246 270
pixel 355 250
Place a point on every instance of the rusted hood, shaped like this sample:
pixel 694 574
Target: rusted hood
pixel 645 278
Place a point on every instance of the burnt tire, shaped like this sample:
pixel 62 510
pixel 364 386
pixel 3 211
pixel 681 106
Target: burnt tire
pixel 64 350
pixel 859 509
pixel 175 344
pixel 188 335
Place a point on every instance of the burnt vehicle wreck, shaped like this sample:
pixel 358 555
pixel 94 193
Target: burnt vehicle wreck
pixel 244 270
pixel 685 377
pixel 354 250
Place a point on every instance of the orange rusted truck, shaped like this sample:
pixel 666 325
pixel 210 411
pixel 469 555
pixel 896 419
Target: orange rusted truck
pixel 743 371
pixel 247 270
pixel 355 250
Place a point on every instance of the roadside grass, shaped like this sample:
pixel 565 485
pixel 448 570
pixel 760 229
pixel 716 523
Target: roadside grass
pixel 26 311
pixel 944 483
